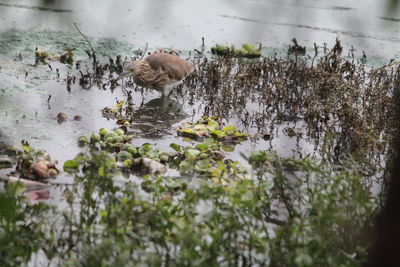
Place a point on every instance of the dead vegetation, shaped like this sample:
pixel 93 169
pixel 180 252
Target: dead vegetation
pixel 347 107
pixel 341 105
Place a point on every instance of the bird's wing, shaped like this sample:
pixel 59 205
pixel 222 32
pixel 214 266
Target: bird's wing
pixel 176 67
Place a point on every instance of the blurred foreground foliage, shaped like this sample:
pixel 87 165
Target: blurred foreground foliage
pixel 286 212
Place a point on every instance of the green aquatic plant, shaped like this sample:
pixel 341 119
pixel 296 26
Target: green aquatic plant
pixel 24 228
pixel 210 127
pixel 247 50
pixel 282 211
pixel 45 56
pixel 104 144
pixel 115 146
pixel 68 56
pixel 207 158
pixel 239 221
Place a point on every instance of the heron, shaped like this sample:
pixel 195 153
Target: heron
pixel 159 71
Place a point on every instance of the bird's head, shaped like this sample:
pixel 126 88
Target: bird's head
pixel 129 70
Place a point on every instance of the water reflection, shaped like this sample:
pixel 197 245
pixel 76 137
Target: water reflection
pixel 155 118
pixel 35 195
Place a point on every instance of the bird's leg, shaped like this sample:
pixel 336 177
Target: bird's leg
pixel 166 91
pixel 142 95
pixel 165 105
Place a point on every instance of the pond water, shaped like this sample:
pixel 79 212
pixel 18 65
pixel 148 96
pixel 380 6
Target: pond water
pixel 32 96
pixel 367 25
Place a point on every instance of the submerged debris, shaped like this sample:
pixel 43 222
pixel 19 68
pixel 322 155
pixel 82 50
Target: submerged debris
pixel 62 117
pixel 35 164
pixel 153 166
pixel 296 49
pixel 68 56
pixel 41 56
pixel 77 118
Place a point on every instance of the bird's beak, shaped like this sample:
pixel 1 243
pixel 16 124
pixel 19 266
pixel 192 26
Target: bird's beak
pixel 123 75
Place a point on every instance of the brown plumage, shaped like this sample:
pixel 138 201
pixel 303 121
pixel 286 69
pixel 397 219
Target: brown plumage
pixel 160 71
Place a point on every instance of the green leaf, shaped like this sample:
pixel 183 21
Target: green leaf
pixel 124 155
pixel 101 171
pixel 26 148
pixel 103 213
pixel 192 153
pixel 218 134
pixel 71 164
pixel 146 147
pixel 200 127
pixel 204 164
pixel 248 48
pixel 212 125
pixel 229 130
pixel 186 166
pixel 228 148
pixel 202 146
pixel 152 154
pixel 219 171
pixel 176 147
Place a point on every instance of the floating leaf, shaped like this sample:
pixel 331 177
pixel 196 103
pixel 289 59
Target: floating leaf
pixel 127 163
pixel 228 148
pixel 208 127
pixel 186 166
pixel 26 148
pixel 248 47
pixel 192 153
pixel 146 147
pixel 83 140
pixel 130 148
pixel 219 171
pixel 176 147
pixel 212 125
pixel 124 155
pixel 152 154
pixel 200 127
pixel 218 134
pixel 204 164
pixel 103 131
pixel 110 135
pixel 71 164
pixel 229 130
pixel 119 131
pixel 202 146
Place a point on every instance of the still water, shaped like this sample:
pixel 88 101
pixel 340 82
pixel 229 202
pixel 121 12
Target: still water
pixel 366 24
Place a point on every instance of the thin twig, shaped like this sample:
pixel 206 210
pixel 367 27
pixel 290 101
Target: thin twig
pixel 87 40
